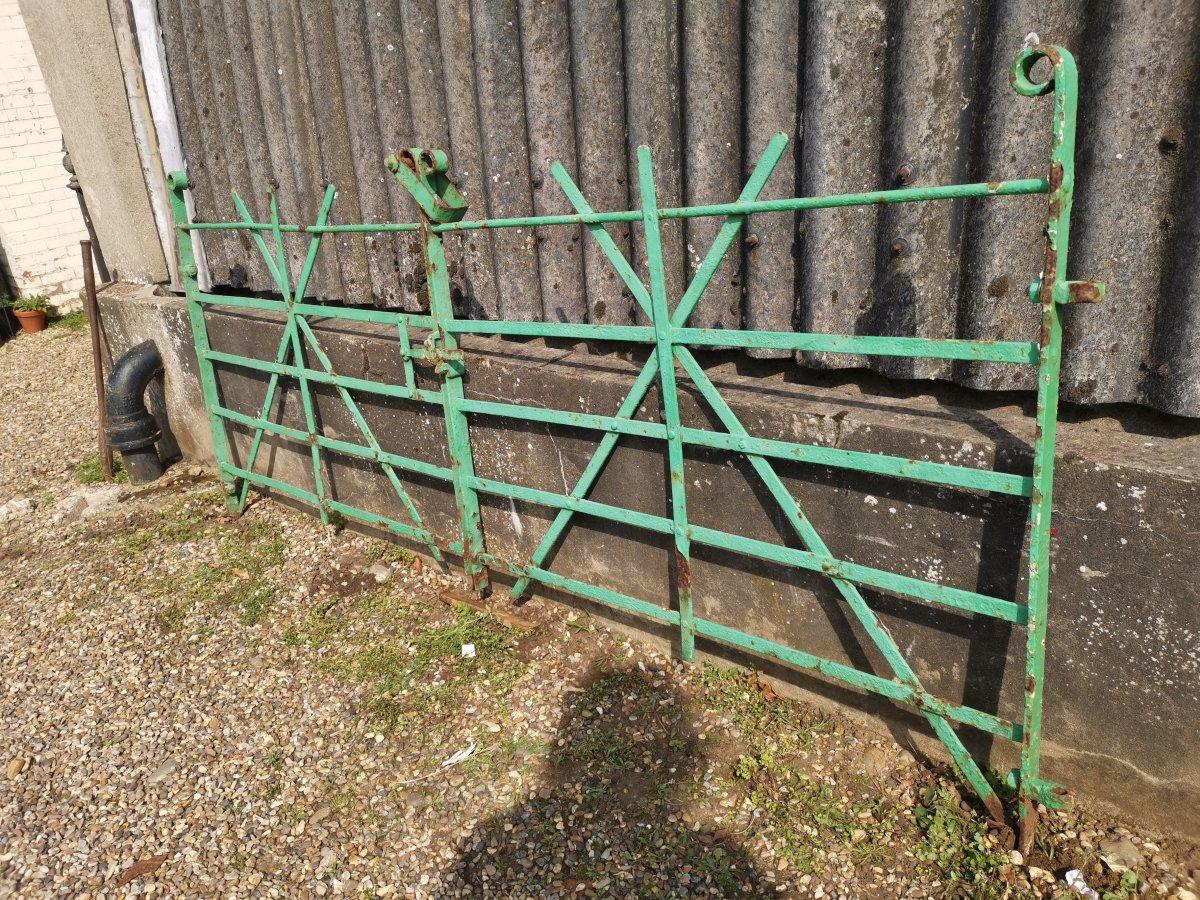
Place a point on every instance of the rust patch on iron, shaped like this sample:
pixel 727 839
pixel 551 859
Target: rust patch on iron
pixel 684 570
pixel 1056 176
pixel 1085 292
pixel 995 809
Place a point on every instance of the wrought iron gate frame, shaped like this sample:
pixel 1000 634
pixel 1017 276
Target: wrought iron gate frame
pixel 423 174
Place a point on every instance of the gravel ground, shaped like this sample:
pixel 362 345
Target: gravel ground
pixel 201 705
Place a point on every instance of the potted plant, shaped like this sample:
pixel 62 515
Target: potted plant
pixel 30 312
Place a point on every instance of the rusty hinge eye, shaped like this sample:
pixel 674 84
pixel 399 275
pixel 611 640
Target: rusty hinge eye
pixel 424 162
pixel 423 175
pixel 1070 291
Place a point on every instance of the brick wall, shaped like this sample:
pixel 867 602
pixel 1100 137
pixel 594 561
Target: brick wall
pixel 40 223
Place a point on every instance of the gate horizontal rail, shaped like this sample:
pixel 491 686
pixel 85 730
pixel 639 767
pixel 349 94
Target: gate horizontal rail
pixel 430 340
pixel 788 205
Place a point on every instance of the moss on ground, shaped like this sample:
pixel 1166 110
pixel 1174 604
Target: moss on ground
pixel 90 470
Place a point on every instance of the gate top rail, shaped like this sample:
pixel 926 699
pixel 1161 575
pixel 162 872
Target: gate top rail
pixel 422 173
pixel 792 204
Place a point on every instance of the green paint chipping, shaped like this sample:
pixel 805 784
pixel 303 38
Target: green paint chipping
pixel 300 359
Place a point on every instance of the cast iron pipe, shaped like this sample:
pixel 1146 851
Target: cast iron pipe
pixel 131 428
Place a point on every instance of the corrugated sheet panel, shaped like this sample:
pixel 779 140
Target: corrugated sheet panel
pixel 302 92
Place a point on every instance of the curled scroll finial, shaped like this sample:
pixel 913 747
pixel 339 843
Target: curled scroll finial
pixel 1023 65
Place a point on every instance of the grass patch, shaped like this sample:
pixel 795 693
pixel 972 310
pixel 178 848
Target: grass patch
pixel 605 754
pixel 412 676
pixel 809 814
pixel 392 554
pixel 738 694
pixel 424 679
pixel 237 578
pixel 182 521
pixel 73 321
pixel 315 631
pixel 90 470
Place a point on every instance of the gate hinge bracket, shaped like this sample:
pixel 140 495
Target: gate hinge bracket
pixel 1070 291
pixel 423 175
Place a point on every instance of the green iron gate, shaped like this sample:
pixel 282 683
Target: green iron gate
pixel 670 339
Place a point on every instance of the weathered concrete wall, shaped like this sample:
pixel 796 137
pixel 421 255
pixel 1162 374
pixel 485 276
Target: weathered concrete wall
pixel 78 55
pixel 1123 695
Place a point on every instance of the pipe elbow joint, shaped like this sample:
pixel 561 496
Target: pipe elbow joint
pixel 132 429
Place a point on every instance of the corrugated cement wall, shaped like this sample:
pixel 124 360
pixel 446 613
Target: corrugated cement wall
pixel 308 91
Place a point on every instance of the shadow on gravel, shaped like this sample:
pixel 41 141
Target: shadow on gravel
pixel 609 819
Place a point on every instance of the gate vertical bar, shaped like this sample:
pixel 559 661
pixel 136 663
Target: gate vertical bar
pixel 177 182
pixel 1053 292
pixel 661 318
pixel 458 429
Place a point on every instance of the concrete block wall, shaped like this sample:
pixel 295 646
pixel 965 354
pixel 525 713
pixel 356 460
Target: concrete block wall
pixel 40 222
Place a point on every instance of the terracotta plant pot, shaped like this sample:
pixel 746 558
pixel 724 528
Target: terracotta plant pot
pixel 32 321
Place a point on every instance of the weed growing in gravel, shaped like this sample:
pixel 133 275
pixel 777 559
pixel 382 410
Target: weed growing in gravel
pixel 953 842
pixel 604 754
pixel 291 815
pixel 180 522
pixel 42 495
pixel 425 679
pixel 1126 890
pixel 392 554
pixel 90 470
pixel 738 694
pixel 807 813
pixel 713 862
pixel 238 578
pixel 172 617
pixel 73 321
pixel 316 630
pixel 419 676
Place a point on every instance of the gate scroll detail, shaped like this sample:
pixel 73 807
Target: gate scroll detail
pixel 670 339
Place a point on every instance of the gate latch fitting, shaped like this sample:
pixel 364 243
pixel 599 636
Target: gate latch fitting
pixel 444 361
pixel 423 175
